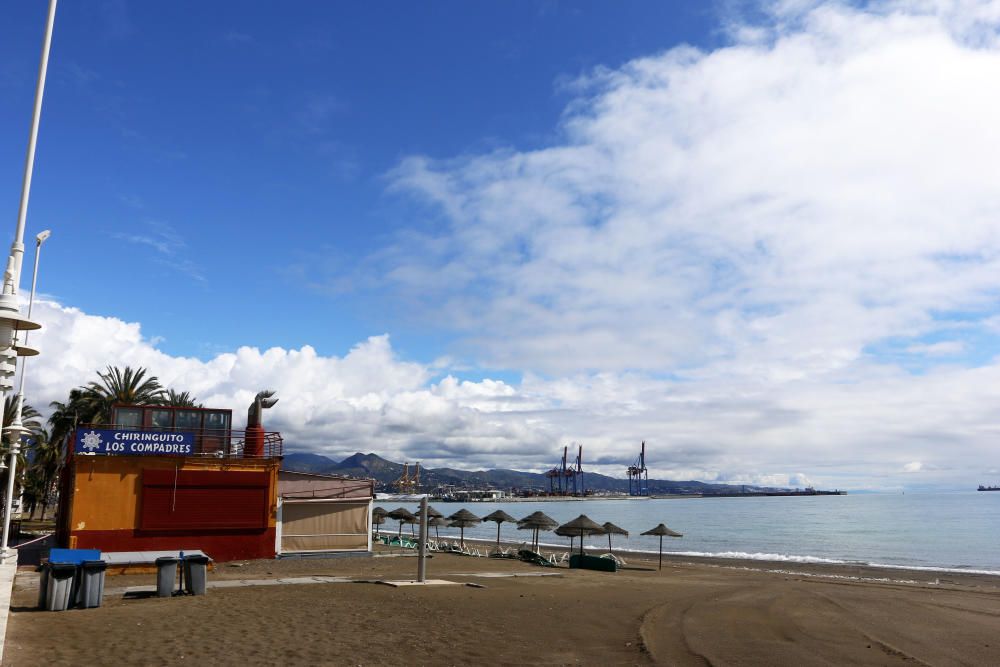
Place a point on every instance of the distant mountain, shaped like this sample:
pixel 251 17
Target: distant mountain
pixel 308 463
pixel 386 472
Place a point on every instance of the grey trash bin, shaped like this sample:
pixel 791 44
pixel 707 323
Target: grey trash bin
pixel 195 574
pixel 43 584
pixel 59 589
pixel 92 583
pixel 166 575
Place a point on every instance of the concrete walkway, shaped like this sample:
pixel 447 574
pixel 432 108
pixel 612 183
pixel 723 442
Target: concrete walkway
pixel 7 572
pixel 30 578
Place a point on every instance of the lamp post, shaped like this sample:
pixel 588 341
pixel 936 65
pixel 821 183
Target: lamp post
pixel 16 428
pixel 11 319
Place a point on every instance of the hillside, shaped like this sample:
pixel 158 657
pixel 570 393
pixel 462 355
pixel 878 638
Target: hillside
pixel 385 472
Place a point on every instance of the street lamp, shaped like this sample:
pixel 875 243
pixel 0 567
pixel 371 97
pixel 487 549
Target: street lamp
pixel 16 428
pixel 11 319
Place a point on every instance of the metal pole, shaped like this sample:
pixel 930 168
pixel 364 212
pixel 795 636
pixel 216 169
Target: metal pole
pixel 17 247
pixel 16 425
pixel 15 448
pixel 422 549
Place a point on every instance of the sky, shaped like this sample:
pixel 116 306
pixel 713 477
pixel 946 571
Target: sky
pixel 762 237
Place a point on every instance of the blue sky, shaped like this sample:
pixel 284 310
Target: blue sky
pixel 207 154
pixel 760 236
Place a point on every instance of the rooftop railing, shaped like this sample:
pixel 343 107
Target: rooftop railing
pixel 223 443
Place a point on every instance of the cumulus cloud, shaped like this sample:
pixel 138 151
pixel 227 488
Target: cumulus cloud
pixel 783 203
pixel 862 434
pixel 368 399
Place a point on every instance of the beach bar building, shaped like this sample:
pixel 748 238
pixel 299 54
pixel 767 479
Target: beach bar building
pixel 323 514
pixel 163 478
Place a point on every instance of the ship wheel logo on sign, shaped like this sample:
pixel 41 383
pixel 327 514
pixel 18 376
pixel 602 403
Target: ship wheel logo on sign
pixel 91 441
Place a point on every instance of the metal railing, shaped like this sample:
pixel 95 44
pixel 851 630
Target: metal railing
pixel 223 443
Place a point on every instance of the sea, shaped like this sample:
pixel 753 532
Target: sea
pixel 927 531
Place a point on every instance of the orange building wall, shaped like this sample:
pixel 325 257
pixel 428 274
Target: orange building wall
pixel 103 508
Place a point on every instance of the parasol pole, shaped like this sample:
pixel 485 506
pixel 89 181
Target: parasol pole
pixel 661 552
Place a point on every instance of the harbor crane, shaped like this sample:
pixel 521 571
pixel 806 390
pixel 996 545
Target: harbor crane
pixel 566 475
pixel 638 477
pixel 407 483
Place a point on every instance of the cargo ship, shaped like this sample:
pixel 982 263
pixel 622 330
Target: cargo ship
pixel 989 488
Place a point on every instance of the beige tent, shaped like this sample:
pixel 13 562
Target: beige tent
pixel 323 513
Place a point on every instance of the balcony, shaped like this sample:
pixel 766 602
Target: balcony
pixel 129 440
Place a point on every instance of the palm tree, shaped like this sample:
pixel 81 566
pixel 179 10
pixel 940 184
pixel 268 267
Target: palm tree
pixel 127 386
pixel 65 416
pixel 29 419
pixel 46 458
pixel 180 399
pixel 29 416
pixel 33 493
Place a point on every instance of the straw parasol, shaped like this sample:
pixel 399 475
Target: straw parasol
pixel 463 519
pixel 537 521
pixel 582 526
pixel 500 517
pixel 437 521
pixel 402 515
pixel 433 513
pixel 612 529
pixel 662 530
pixel 378 517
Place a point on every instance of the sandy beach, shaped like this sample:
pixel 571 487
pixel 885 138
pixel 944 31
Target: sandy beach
pixel 690 613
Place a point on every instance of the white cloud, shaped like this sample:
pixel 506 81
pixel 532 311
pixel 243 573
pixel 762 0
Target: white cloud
pixel 862 433
pixel 773 206
pixel 944 348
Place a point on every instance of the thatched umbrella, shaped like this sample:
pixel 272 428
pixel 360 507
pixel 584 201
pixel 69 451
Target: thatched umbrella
pixel 437 521
pixel 463 519
pixel 581 525
pixel 499 516
pixel 433 513
pixel 612 529
pixel 537 521
pixel 402 515
pixel 378 517
pixel 662 530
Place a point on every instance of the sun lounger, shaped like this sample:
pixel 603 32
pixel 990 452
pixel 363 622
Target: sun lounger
pixel 529 556
pixel 502 553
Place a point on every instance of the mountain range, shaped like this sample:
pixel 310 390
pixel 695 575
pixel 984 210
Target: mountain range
pixel 386 472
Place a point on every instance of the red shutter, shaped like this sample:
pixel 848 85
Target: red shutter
pixel 203 499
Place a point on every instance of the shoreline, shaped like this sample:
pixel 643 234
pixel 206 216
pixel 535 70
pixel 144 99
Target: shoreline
pixel 790 563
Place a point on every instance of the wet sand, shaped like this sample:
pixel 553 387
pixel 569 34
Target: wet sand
pixel 691 613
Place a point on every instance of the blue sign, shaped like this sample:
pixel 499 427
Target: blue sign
pixel 133 443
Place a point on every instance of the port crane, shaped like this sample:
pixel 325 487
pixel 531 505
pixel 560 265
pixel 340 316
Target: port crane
pixel 566 475
pixel 638 476
pixel 407 483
